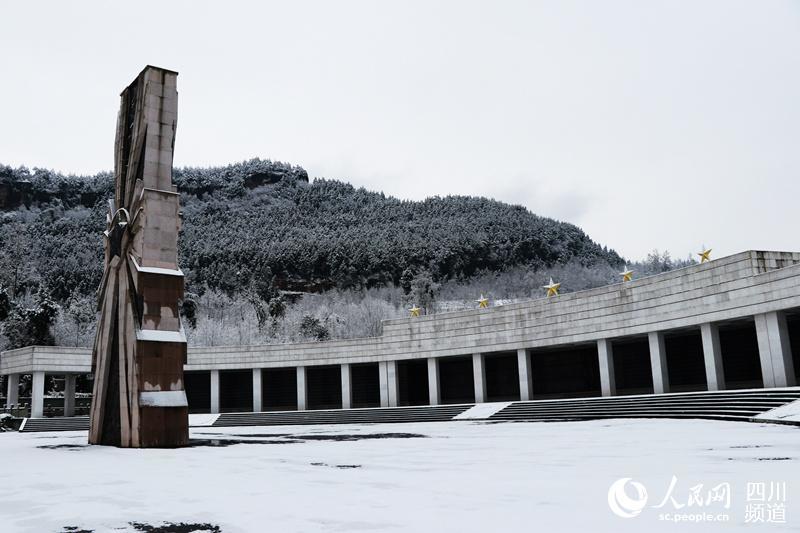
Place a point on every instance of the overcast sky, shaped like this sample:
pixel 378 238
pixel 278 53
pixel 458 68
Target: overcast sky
pixel 650 124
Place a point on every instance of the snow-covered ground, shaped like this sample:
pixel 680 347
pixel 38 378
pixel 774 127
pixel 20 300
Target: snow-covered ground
pixel 789 412
pixel 456 476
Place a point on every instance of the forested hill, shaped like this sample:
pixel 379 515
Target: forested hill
pixel 262 224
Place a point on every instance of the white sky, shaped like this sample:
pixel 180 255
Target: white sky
pixel 658 124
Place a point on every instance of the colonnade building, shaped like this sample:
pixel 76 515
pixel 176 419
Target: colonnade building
pixel 725 324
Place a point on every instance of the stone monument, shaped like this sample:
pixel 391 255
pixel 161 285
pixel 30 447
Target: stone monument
pixel 140 348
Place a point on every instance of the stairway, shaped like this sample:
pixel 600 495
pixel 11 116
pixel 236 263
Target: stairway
pixel 60 423
pixel 384 415
pixel 738 405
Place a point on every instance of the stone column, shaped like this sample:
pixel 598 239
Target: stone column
pixel 433 382
pixel 69 394
pixel 347 394
pixel 658 362
pixel 301 388
pixel 37 395
pixel 774 350
pixel 479 377
pixel 712 353
pixel 391 381
pixel 605 355
pixel 12 394
pixel 765 350
pixel 525 375
pixel 383 381
pixel 214 392
pixel 257 404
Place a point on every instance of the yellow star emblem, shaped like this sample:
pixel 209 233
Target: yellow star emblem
pixel 705 255
pixel 414 310
pixel 483 302
pixel 552 288
pixel 627 274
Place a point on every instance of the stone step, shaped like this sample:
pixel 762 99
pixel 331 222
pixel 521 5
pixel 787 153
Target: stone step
pixel 728 405
pixel 741 405
pixel 69 423
pixel 344 416
pixel 755 403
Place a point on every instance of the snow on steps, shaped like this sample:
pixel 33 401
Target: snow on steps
pixel 785 414
pixel 482 411
pixel 757 405
pixel 61 423
pixel 81 423
pixel 741 405
pixel 378 415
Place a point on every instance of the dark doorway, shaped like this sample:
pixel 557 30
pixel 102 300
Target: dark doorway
pixel 412 382
pixel 198 391
pixel 456 384
pixel 236 391
pixel 279 389
pixel 566 372
pixel 740 359
pixel 365 385
pixel 502 377
pixel 632 371
pixel 793 324
pixel 685 363
pixel 324 387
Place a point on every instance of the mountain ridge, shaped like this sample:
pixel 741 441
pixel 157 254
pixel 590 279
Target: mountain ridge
pixel 264 225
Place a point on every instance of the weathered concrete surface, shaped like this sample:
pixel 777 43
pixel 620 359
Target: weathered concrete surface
pixel 658 362
pixel 525 375
pixel 775 350
pixel 50 359
pixel 742 285
pixel 605 354
pixel 139 351
pixel 728 288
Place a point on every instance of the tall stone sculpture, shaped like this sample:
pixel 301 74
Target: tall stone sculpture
pixel 140 347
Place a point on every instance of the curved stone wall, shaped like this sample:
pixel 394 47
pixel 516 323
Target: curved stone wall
pixel 755 293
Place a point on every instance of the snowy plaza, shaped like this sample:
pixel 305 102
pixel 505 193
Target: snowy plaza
pixel 450 476
pixel 400 267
